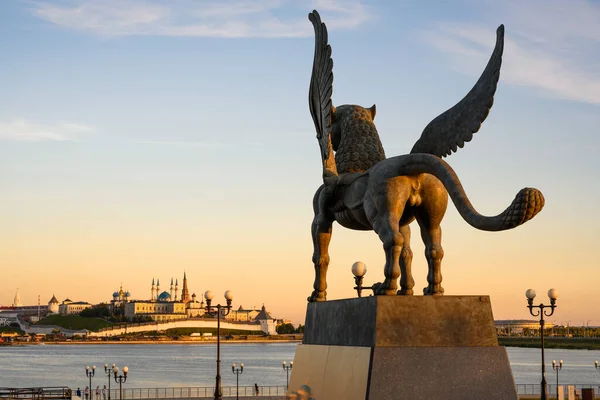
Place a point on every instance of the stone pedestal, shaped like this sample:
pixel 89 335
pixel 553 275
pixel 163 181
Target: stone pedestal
pixel 402 347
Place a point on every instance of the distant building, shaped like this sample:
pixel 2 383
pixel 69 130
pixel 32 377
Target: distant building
pixel 165 305
pixel 195 309
pixel 17 300
pixel 510 327
pixel 267 323
pixel 53 305
pixel 157 310
pixel 6 318
pixel 69 307
pixel 119 299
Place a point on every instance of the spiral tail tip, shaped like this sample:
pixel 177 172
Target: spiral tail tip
pixel 525 206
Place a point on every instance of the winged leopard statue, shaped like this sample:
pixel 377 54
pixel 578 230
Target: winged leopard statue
pixel 364 190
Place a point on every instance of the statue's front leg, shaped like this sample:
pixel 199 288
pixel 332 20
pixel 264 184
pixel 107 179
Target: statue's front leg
pixel 321 234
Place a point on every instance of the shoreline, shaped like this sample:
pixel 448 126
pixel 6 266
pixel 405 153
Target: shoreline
pixel 202 342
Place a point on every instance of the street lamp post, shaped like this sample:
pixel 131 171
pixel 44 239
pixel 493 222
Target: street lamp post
pixel 557 366
pixel 237 372
pixel 120 379
pixel 212 311
pixel 287 369
pixel 359 269
pixel 90 373
pixel 553 295
pixel 108 372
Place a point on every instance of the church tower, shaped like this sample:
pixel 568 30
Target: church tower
pixel 176 288
pixel 17 299
pixel 153 295
pixel 185 293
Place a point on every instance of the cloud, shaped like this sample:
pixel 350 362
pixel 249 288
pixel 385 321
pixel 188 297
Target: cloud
pixel 178 143
pixel 23 130
pixel 207 18
pixel 548 46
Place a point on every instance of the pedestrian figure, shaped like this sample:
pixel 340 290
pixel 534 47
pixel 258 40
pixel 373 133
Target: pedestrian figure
pixel 97 392
pixel 78 392
pixel 104 393
pixel 86 392
pixel 256 389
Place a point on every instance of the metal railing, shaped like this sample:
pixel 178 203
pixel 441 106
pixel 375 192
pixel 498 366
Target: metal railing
pixel 189 393
pixel 534 388
pixel 58 392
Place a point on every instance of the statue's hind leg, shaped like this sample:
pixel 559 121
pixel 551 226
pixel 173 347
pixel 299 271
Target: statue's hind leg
pixel 432 238
pixel 406 279
pixel 321 236
pixel 389 232
pixel 321 233
pixel 389 202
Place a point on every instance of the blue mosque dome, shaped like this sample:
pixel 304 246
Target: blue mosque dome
pixel 127 294
pixel 164 296
pixel 116 294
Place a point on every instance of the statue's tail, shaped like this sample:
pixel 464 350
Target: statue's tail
pixel 525 206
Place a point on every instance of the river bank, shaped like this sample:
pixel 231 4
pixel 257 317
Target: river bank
pixel 167 342
pixel 579 343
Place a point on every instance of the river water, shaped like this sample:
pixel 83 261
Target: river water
pixel 173 365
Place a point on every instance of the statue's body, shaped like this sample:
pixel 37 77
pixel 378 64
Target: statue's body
pixel 363 190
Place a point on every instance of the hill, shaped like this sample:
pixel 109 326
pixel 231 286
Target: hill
pixel 75 322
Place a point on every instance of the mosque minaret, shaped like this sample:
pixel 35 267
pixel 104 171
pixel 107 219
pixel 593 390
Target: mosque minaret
pixel 153 295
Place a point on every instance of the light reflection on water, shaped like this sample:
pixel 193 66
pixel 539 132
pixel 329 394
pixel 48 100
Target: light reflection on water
pixel 155 365
pixel 578 365
pixel 171 365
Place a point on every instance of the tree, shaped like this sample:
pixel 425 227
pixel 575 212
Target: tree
pixel 285 329
pixel 300 329
pixel 98 311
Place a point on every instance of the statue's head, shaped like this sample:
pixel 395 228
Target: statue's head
pixel 341 115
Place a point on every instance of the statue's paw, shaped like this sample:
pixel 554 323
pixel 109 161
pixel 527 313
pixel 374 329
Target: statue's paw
pixel 433 290
pixel 405 292
pixel 384 289
pixel 317 296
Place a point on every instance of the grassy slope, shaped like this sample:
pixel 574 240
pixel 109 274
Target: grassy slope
pixel 75 322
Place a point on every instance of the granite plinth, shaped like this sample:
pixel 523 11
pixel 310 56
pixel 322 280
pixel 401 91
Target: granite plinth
pixel 396 347
pixel 402 321
pixel 449 373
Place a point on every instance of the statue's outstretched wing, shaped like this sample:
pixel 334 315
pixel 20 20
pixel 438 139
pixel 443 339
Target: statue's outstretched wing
pixel 450 130
pixel 319 95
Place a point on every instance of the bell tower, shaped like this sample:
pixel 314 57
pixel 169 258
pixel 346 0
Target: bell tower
pixel 185 293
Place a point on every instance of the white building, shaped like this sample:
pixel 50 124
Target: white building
pixel 53 305
pixel 267 323
pixel 69 307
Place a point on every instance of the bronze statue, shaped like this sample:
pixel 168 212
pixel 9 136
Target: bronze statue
pixel 364 190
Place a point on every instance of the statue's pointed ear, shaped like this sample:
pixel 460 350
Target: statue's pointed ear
pixel 373 110
pixel 332 113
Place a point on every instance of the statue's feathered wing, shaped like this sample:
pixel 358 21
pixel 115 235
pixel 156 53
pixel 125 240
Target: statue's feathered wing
pixel 452 129
pixel 319 95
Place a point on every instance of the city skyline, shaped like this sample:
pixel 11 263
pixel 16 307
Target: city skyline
pixel 138 138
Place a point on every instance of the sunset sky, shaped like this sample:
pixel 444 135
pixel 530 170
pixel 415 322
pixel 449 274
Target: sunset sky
pixel 141 139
